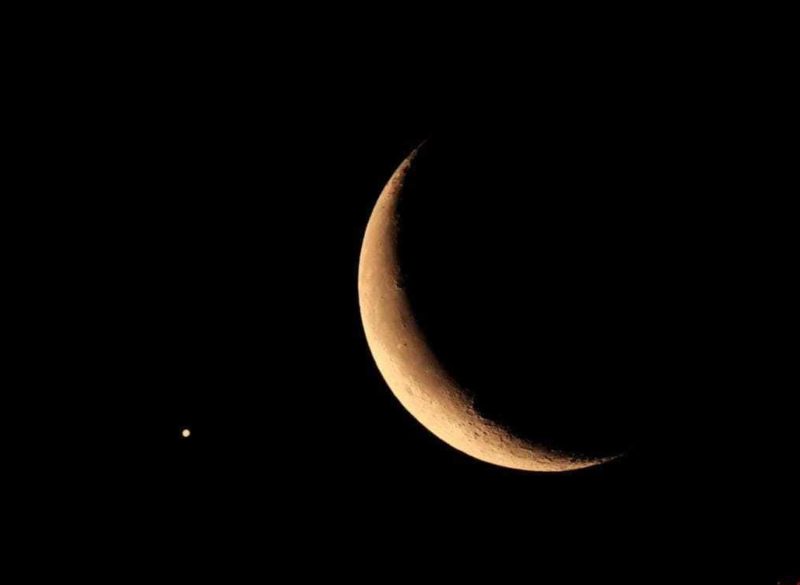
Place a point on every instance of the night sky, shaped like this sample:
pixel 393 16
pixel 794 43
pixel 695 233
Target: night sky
pixel 591 256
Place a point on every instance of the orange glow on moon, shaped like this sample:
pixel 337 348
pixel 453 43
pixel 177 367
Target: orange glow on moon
pixel 410 367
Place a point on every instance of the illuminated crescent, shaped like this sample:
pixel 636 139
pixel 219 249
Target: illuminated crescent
pixel 410 367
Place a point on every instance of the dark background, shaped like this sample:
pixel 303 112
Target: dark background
pixel 597 252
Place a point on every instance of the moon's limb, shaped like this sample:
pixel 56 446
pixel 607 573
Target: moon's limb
pixel 410 367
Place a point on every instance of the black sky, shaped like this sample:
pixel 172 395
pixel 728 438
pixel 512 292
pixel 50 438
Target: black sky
pixel 598 245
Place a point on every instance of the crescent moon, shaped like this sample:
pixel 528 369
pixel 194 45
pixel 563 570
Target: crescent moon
pixel 409 365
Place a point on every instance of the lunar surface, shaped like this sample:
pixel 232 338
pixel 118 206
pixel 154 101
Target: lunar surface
pixel 410 366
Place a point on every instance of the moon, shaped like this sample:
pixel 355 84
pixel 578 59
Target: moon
pixel 409 365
